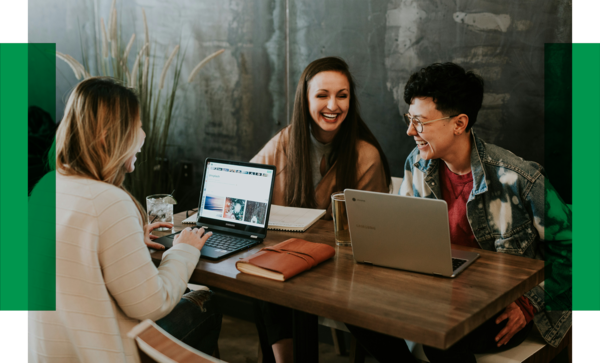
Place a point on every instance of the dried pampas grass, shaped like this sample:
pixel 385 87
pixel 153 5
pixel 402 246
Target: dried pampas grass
pixel 157 96
pixel 145 74
pixel 166 67
pixel 136 64
pixel 202 64
pixel 128 48
pixel 76 67
pixel 112 20
pixel 112 25
pixel 104 39
pixel 146 33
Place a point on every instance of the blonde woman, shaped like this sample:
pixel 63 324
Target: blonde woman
pixel 105 279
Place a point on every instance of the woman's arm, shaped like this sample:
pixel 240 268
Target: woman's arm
pixel 140 289
pixel 268 154
pixel 371 174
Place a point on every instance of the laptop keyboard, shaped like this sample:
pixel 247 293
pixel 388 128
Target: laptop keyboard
pixel 224 242
pixel 228 243
pixel 457 262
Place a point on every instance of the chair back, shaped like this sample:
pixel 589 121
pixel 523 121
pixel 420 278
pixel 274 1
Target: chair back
pixel 396 182
pixel 156 345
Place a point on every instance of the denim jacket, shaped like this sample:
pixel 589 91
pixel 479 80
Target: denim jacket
pixel 512 209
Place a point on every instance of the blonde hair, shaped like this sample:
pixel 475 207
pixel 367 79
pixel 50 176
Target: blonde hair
pixel 98 133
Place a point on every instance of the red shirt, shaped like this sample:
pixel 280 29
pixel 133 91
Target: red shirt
pixel 455 191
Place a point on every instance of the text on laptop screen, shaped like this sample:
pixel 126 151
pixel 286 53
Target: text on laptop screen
pixel 238 193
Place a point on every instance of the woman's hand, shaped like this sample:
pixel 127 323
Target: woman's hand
pixel 193 237
pixel 148 236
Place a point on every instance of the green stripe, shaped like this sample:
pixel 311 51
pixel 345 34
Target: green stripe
pixel 586 176
pixel 13 177
pixel 42 203
pixel 558 157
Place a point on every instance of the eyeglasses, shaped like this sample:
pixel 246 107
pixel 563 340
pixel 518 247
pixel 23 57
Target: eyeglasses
pixel 408 119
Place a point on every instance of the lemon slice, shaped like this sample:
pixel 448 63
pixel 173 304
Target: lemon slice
pixel 169 200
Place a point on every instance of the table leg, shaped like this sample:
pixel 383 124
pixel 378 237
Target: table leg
pixel 306 340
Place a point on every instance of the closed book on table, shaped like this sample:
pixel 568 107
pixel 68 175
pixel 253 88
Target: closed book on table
pixel 286 259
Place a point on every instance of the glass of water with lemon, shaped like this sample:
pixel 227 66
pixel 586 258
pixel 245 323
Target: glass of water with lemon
pixel 160 209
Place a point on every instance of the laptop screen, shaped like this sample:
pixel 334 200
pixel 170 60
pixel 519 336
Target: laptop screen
pixel 237 194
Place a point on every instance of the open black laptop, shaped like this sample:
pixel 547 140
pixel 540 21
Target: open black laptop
pixel 235 201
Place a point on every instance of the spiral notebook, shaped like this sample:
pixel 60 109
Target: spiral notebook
pixel 285 218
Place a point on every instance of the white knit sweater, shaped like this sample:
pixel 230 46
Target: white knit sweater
pixel 105 279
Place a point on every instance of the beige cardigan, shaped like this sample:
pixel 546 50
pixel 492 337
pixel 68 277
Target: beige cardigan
pixel 370 172
pixel 105 279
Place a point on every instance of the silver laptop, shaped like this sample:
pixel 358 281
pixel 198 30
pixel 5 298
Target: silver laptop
pixel 406 233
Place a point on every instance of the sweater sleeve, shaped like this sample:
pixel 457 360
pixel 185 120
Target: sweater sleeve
pixel 268 154
pixel 140 289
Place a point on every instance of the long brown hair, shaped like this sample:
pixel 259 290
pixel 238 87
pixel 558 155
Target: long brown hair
pixel 98 133
pixel 299 190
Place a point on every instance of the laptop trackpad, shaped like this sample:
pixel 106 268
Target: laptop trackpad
pixel 212 252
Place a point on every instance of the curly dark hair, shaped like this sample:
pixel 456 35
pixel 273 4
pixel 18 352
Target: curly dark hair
pixel 453 90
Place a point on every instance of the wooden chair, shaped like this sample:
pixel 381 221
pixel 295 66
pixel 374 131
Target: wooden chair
pixel 156 345
pixel 395 187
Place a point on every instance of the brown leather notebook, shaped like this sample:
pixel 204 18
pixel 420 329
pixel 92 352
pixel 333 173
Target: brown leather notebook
pixel 286 259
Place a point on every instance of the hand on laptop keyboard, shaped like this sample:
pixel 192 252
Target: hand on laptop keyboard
pixel 193 237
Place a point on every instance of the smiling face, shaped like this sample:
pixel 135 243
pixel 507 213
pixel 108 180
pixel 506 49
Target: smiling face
pixel 437 141
pixel 130 163
pixel 328 103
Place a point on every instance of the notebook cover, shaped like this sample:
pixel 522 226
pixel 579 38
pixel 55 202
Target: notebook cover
pixel 290 257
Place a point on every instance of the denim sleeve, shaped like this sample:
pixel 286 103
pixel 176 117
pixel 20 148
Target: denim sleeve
pixel 552 219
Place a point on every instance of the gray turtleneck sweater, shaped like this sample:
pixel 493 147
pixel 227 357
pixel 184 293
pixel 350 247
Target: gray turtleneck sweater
pixel 317 152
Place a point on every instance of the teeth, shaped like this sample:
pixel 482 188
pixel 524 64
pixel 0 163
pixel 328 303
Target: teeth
pixel 330 115
pixel 421 142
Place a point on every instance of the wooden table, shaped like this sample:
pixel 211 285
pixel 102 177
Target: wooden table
pixel 431 310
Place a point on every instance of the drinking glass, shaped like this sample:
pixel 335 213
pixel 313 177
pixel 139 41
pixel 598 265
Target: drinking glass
pixel 340 219
pixel 159 210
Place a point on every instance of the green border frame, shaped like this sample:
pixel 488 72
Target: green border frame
pixel 21 287
pixel 13 177
pixel 586 176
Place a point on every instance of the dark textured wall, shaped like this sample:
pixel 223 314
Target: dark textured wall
pixel 385 41
pixel 239 100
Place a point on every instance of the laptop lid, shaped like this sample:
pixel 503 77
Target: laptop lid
pixel 236 197
pixel 400 232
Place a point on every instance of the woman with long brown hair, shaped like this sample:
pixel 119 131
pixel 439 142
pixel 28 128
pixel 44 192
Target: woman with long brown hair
pixel 106 281
pixel 327 148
